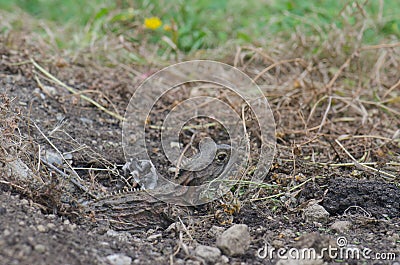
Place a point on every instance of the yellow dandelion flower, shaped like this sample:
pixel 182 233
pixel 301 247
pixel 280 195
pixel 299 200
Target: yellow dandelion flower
pixel 152 23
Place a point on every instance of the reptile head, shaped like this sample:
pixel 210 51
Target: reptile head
pixel 210 172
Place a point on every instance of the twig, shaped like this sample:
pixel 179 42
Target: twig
pixel 261 185
pixel 337 74
pixel 325 115
pixel 363 166
pixel 352 164
pixel 391 89
pixel 77 183
pixel 259 51
pixel 12 185
pixel 18 63
pixel 283 193
pixel 380 46
pixel 314 108
pixel 381 106
pixel 55 148
pixel 185 229
pixel 68 177
pixel 186 127
pixel 75 92
pixel 181 244
pixel 276 64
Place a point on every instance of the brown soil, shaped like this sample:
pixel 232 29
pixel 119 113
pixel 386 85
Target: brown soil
pixel 43 222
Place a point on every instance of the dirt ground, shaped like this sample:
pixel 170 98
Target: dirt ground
pixel 338 146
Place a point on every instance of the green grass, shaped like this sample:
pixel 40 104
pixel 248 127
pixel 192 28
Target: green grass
pixel 212 23
pixel 56 10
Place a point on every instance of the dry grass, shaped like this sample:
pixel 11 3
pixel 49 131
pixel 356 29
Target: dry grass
pixel 336 101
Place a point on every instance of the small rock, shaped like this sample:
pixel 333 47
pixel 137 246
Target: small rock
pixel 51 216
pixel 112 233
pixel 122 236
pixel 235 240
pixel 6 232
pixel 60 116
pixel 215 231
pixel 68 157
pixel 209 254
pixel 278 243
pixel 288 233
pixel 40 248
pixel 37 92
pixel 104 244
pixel 49 90
pixel 52 157
pixel 341 226
pixel 21 223
pixel 316 213
pixel 66 222
pixel 224 259
pixel 178 262
pixel 150 231
pixel 172 169
pixel 51 226
pixel 41 228
pixel 119 259
pixel 86 120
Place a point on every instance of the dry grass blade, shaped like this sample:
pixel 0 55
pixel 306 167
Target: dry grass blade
pixel 380 46
pixel 283 193
pixel 337 74
pixel 364 166
pixel 325 115
pixel 73 91
pixel 392 88
pixel 296 60
pixel 74 181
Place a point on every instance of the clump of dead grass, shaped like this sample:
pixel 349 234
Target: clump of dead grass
pixel 18 171
pixel 336 102
pixel 13 171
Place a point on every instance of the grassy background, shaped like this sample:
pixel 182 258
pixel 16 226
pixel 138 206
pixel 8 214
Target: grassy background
pixel 208 23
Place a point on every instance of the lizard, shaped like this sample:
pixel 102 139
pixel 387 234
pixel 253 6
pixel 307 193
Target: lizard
pixel 144 172
pixel 144 208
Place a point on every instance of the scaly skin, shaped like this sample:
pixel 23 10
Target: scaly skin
pixel 138 209
pixel 212 171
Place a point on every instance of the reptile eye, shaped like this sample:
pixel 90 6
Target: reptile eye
pixel 221 157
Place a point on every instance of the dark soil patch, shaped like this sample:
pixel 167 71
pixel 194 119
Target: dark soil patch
pixel 379 199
